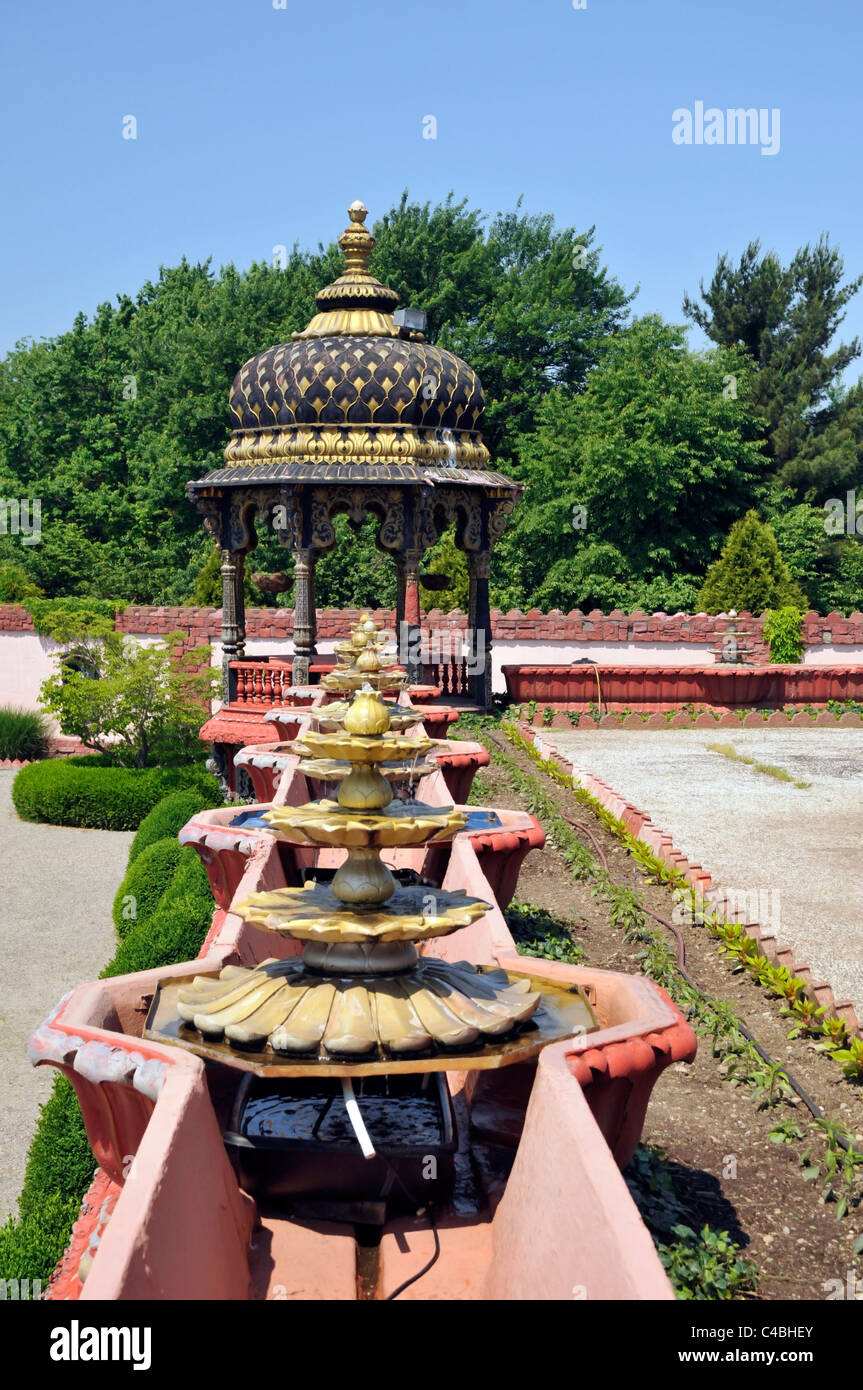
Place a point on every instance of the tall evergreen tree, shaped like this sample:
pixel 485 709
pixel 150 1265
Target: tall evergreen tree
pixel 785 318
pixel 750 573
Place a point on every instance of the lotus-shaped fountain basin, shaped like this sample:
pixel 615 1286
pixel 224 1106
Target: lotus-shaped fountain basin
pixel 401 823
pixel 314 913
pixel 332 717
pixel 330 770
pixel 357 748
pixel 352 679
pixel 280 1018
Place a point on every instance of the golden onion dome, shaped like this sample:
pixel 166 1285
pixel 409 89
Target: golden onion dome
pixel 356 387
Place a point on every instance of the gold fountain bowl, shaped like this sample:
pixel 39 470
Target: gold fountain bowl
pixel 359 748
pixel 352 679
pixel 332 717
pixel 285 1010
pixel 401 823
pixel 330 770
pixel 314 913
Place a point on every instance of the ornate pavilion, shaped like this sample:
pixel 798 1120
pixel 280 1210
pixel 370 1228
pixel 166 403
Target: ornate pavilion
pixel 357 414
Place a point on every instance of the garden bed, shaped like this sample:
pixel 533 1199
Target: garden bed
pixel 726 1167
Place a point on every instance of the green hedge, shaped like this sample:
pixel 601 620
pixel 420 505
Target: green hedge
pixel 60 1168
pixel 81 792
pixel 23 734
pixel 144 885
pixel 171 814
pixel 170 927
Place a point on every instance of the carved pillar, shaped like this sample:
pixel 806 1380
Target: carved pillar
pixel 233 618
pixel 410 632
pixel 400 591
pixel 305 616
pixel 479 657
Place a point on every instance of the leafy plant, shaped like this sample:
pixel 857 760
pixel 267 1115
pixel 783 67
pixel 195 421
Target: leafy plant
pixel 850 1058
pixel 142 700
pixel 783 634
pixel 707 1265
pixel 23 735
pixel 700 1265
pixel 538 933
pixel 837 1168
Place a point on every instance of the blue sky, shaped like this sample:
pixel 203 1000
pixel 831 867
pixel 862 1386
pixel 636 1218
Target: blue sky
pixel 256 126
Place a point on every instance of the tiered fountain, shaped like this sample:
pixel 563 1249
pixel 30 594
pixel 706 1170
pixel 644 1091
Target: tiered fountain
pixel 358 1001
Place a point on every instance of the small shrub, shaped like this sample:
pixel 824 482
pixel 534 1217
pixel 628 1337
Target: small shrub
pixel 170 815
pixel 144 885
pixel 60 1166
pixel 23 734
pixel 750 572
pixel 537 933
pixel 168 929
pixel 132 701
pixel 782 633
pixel 73 792
pixel 177 928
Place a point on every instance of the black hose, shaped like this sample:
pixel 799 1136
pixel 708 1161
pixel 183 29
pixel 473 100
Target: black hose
pixel 418 1208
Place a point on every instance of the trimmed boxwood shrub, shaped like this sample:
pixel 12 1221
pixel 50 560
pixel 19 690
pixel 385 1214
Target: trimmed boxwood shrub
pixel 60 1167
pixel 170 815
pixel 23 734
pixel 177 928
pixel 144 885
pixel 60 1163
pixel 75 792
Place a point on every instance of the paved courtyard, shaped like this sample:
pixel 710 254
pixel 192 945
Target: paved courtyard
pixel 55 931
pixel 800 847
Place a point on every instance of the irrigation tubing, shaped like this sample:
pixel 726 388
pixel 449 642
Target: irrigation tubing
pixel 812 1106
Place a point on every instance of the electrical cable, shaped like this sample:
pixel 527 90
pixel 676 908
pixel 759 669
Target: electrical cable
pixel 419 1209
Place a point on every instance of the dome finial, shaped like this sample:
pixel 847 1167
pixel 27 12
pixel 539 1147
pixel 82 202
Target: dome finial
pixel 356 302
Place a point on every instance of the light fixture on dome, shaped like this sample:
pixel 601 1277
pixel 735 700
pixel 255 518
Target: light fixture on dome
pixel 411 320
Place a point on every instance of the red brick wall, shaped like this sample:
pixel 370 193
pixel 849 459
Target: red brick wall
pixel 202 625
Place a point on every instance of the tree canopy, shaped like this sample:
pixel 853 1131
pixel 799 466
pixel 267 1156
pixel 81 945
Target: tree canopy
pixel 660 456
pixel 637 454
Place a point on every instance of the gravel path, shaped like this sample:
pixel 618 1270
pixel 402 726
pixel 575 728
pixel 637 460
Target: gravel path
pixel 798 848
pixel 55 931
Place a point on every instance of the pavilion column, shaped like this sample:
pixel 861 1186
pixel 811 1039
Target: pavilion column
pixel 410 631
pixel 305 616
pixel 479 625
pixel 233 618
pixel 400 592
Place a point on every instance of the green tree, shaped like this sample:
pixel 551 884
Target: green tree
pixel 785 319
pixel 108 422
pixel 528 305
pixel 135 703
pixel 750 573
pixel 630 484
pixel 15 584
pixel 446 558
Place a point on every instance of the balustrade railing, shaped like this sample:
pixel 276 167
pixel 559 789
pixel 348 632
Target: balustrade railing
pixel 260 683
pixel 450 674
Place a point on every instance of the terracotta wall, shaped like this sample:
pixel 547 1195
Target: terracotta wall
pixel 575 627
pixel 532 638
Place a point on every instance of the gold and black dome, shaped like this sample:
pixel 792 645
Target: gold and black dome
pixel 355 387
